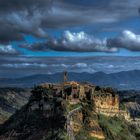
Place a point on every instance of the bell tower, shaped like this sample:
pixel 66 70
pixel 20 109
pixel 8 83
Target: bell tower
pixel 65 77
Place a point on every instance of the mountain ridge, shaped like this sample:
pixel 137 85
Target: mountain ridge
pixel 120 80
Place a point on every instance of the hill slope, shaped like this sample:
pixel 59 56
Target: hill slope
pixel 12 99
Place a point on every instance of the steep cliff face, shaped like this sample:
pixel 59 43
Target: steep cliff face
pixel 85 122
pixel 94 126
pixel 103 116
pixel 107 102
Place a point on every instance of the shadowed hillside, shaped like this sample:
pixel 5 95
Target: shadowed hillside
pixel 12 99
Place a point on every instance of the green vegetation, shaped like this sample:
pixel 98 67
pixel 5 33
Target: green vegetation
pixel 122 106
pixel 84 135
pixel 118 129
pixel 70 107
pixel 4 115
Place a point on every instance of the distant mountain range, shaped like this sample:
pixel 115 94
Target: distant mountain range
pixel 121 80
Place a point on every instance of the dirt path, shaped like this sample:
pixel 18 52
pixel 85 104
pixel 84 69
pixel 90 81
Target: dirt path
pixel 69 123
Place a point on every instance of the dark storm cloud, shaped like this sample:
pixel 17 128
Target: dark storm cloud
pixel 127 40
pixel 139 10
pixel 39 46
pixel 15 25
pixel 76 42
pixel 79 42
pixel 18 5
pixel 18 17
pixel 82 42
pixel 72 12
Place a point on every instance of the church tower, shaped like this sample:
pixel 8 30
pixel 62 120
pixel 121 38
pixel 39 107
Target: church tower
pixel 65 77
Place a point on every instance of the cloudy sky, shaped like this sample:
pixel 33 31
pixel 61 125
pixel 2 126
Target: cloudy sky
pixel 48 36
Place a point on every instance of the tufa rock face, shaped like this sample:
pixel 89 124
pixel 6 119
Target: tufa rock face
pixel 106 102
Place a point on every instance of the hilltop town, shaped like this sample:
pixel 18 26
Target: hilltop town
pixel 106 100
pixel 77 109
pixel 103 101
